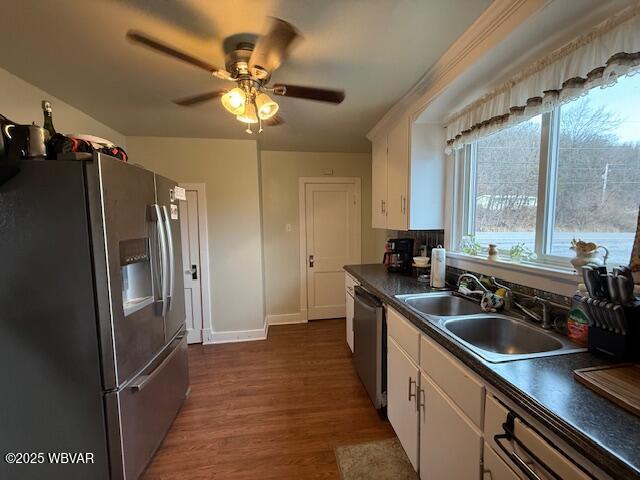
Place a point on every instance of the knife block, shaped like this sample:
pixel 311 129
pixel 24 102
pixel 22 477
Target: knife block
pixel 606 342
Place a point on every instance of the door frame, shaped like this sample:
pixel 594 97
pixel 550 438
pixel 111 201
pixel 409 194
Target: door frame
pixel 302 211
pixel 205 278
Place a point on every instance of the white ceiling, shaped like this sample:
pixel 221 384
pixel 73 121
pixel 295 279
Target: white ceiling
pixel 373 49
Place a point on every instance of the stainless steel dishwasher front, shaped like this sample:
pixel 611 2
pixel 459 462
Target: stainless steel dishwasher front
pixel 370 332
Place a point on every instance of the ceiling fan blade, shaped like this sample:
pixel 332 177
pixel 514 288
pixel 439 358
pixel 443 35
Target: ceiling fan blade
pixel 195 99
pixel 274 121
pixel 273 47
pixel 143 39
pixel 309 93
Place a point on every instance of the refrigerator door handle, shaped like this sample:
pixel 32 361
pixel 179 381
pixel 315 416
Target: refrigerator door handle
pixel 163 257
pixel 172 273
pixel 138 383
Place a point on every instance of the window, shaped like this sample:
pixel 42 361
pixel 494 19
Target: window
pixel 506 190
pixel 582 159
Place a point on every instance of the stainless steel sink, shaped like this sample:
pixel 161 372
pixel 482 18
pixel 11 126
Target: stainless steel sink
pixel 441 304
pixel 494 337
pixel 499 338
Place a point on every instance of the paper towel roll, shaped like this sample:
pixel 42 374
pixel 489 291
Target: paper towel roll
pixel 438 267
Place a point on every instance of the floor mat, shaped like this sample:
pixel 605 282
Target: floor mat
pixel 378 460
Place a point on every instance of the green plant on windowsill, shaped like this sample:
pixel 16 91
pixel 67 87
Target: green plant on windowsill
pixel 469 246
pixel 520 252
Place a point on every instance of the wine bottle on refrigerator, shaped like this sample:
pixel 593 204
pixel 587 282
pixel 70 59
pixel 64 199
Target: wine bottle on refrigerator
pixel 50 129
pixel 48 118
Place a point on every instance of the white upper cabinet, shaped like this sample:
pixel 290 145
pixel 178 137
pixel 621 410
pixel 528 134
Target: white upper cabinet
pixel 427 176
pixel 408 177
pixel 398 175
pixel 379 182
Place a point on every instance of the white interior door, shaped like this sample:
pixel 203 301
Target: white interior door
pixel 191 259
pixel 332 219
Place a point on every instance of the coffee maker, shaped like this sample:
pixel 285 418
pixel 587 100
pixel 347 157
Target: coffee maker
pixel 398 255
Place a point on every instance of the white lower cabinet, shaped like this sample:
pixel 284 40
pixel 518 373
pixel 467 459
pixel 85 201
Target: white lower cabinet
pixel 450 445
pixel 447 422
pixel 350 310
pixel 402 387
pixel 350 284
pixel 495 468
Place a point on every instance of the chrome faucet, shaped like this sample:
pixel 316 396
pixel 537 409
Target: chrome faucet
pixel 475 279
pixel 547 323
pixel 545 318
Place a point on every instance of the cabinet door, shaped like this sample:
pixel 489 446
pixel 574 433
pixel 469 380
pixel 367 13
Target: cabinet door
pixel 349 321
pixel 398 176
pixel 379 182
pixel 450 447
pixel 402 378
pixel 495 468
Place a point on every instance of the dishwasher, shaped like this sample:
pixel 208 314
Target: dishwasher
pixel 370 345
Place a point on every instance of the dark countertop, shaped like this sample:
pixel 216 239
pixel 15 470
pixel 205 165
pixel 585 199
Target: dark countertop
pixel 544 387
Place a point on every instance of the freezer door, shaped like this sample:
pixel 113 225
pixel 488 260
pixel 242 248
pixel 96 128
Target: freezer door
pixel 140 414
pixel 174 314
pixel 51 397
pixel 128 265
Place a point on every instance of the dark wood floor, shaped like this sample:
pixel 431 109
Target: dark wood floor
pixel 272 409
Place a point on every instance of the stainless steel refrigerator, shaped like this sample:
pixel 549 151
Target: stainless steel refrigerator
pixel 93 350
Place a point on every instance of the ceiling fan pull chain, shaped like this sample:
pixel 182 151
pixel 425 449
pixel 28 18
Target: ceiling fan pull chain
pixel 259 125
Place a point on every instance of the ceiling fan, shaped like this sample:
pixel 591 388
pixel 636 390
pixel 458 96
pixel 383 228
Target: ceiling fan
pixel 249 63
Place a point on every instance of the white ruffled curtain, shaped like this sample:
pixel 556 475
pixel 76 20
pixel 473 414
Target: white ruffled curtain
pixel 598 58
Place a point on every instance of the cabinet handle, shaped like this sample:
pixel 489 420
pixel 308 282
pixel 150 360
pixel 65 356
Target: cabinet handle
pixel 311 261
pixel 382 206
pixel 412 395
pixel 422 401
pixel 485 472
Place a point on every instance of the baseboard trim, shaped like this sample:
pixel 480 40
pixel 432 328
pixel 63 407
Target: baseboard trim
pixel 286 319
pixel 212 338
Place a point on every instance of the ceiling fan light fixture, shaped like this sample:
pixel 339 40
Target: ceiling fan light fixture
pixel 267 108
pixel 235 101
pixel 249 115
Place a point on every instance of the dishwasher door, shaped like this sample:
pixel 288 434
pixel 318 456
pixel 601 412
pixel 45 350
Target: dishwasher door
pixel 369 355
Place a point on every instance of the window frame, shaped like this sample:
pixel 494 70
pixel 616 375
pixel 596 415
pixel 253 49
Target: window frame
pixel 466 162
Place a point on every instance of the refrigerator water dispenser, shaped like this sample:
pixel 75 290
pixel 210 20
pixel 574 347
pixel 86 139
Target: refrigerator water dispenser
pixel 135 268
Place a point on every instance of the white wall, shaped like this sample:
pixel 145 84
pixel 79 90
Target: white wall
pixel 280 174
pixel 230 170
pixel 21 102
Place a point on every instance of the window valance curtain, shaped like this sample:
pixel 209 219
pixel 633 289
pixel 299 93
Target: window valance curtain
pixel 598 58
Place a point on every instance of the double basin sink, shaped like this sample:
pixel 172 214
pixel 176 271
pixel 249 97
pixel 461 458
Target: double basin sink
pixel 494 337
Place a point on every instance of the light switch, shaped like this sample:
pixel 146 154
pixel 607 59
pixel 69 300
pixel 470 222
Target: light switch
pixel 287 228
